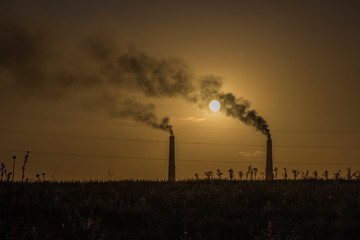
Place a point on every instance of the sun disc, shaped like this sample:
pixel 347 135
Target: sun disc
pixel 214 105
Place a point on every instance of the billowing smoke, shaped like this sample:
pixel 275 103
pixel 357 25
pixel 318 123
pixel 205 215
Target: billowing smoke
pixel 167 77
pixel 31 65
pixel 35 63
pixel 142 113
pixel 235 107
pixel 118 107
pixel 30 60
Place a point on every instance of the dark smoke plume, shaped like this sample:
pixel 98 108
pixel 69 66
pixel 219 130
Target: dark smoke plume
pixel 35 63
pixel 235 107
pixel 167 77
pixel 129 108
pixel 31 64
pixel 144 114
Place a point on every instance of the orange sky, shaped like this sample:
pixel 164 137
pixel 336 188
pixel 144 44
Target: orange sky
pixel 296 63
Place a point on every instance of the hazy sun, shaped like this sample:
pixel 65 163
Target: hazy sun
pixel 214 105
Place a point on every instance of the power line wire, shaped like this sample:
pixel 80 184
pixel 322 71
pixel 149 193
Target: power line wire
pixel 66 119
pixel 164 159
pixel 134 124
pixel 194 143
pixel 180 142
pixel 79 136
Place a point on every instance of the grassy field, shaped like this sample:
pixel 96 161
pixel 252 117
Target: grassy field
pixel 215 209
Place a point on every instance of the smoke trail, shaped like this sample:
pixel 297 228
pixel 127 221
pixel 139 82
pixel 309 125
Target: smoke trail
pixel 31 65
pixel 144 114
pixel 235 107
pixel 34 63
pixel 167 77
pixel 128 108
pixel 20 57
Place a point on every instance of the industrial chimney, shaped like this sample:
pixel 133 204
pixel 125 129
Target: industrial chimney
pixel 171 175
pixel 269 162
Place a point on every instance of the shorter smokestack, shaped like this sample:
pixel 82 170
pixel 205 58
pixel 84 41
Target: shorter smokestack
pixel 171 175
pixel 269 162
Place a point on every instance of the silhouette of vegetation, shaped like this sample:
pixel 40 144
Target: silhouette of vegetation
pixel 202 209
pixel 312 208
pixel 315 174
pixel 231 174
pixel 305 175
pixel 285 174
pixel 209 174
pixel 254 171
pixel 23 167
pixel 241 174
pixel 326 175
pixel 13 171
pixel 337 175
pixel 296 173
pixel 219 173
pixel 248 172
pixel 5 175
pixel 3 171
pixel 275 173
pixel 196 176
pixel 251 174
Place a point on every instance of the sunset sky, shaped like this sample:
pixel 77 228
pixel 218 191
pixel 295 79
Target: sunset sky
pixel 71 92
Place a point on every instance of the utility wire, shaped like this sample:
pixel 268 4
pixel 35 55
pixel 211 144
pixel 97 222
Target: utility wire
pixel 164 159
pixel 79 136
pixel 133 124
pixel 60 118
pixel 180 142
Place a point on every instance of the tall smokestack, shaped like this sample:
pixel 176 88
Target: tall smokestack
pixel 269 162
pixel 171 175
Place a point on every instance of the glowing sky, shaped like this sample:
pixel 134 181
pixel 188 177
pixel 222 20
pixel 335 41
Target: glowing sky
pixel 297 63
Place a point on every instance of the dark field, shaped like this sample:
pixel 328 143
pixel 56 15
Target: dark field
pixel 183 210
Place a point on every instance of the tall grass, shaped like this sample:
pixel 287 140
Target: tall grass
pixel 23 167
pixel 13 172
pixel 211 210
pixel 251 174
